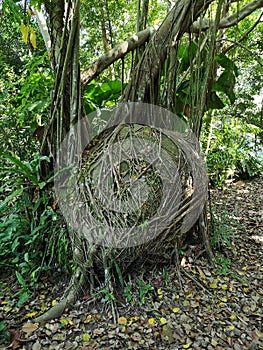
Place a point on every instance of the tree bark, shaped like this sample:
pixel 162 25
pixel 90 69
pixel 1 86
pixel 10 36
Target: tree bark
pixel 94 70
pixel 145 81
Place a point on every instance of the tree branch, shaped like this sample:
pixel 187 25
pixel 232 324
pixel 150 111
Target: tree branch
pixel 113 55
pixel 43 28
pixel 230 20
pixel 140 38
pixel 244 35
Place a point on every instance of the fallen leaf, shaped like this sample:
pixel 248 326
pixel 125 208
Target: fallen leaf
pixel 36 346
pixel 167 334
pixel 163 320
pixel 136 336
pixel 86 337
pixel 29 327
pixel 122 320
pixel 176 309
pixel 151 320
pixel 15 339
pixel 32 314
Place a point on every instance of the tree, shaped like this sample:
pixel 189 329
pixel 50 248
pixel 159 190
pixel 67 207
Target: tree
pixel 176 69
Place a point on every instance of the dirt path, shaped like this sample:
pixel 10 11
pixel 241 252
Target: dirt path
pixel 217 308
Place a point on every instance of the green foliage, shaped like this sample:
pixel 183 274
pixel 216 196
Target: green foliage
pixel 226 83
pixel 12 48
pixel 4 335
pixel 22 294
pixel 107 295
pixel 232 152
pixel 185 54
pixel 223 85
pixel 32 233
pixel 128 294
pixel 99 95
pixel 144 289
pixel 131 292
pixel 119 273
pixel 24 104
pixel 34 96
pixel 223 264
pixel 223 229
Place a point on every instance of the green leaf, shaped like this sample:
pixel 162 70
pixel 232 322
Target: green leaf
pixel 115 86
pixel 9 198
pixel 117 267
pixel 227 63
pixel 215 102
pixel 185 54
pixel 226 83
pixel 22 168
pixel 2 325
pixel 23 297
pixel 20 279
pixel 105 87
pixel 42 184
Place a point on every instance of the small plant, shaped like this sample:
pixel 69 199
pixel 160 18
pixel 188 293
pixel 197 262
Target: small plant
pixel 108 296
pixel 223 264
pixel 129 295
pixel 144 290
pixel 32 234
pixel 119 273
pixel 24 293
pixel 182 250
pixel 223 230
pixel 4 335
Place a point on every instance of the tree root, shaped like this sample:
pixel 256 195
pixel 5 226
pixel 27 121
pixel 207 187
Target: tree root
pixel 188 275
pixel 71 295
pixel 55 312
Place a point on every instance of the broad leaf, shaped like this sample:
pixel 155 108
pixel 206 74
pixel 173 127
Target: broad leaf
pixel 215 102
pixel 33 38
pixel 22 168
pixel 226 63
pixel 115 86
pixel 24 30
pixel 226 83
pixel 9 198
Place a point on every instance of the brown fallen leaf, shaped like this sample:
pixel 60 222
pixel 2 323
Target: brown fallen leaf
pixel 29 327
pixel 15 339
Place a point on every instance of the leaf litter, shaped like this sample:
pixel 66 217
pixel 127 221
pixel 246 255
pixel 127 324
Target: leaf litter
pixel 226 313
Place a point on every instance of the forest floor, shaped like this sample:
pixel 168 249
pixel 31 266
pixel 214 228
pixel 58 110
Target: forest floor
pixel 212 308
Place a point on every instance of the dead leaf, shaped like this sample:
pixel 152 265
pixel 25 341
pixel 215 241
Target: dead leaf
pixel 122 320
pixel 15 339
pixel 36 346
pixel 29 327
pixel 167 334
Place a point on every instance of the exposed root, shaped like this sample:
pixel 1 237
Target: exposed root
pixel 55 312
pixel 70 297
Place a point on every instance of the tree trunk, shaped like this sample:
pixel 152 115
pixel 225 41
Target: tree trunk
pixel 179 148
